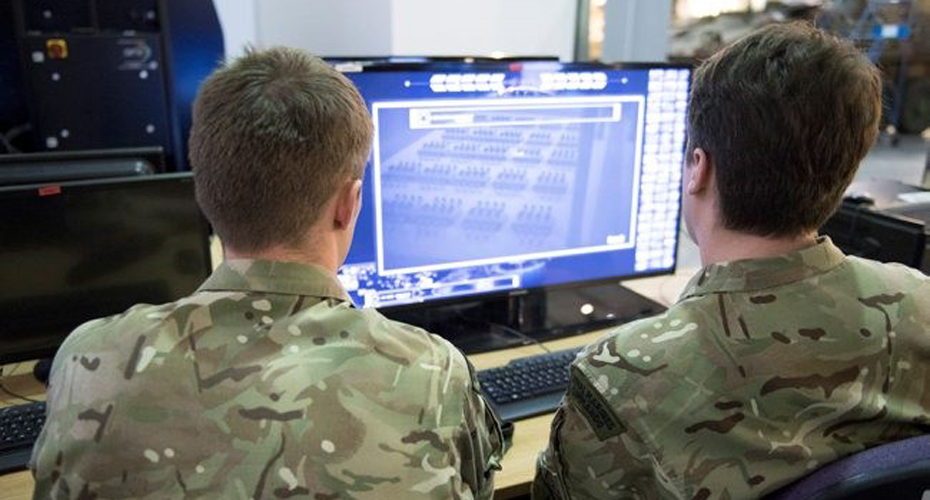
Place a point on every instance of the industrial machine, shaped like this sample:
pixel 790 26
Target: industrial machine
pixel 100 74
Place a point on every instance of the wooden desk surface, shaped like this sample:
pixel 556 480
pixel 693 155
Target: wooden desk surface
pixel 530 436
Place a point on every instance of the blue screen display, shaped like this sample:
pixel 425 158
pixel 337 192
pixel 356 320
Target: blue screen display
pixel 484 181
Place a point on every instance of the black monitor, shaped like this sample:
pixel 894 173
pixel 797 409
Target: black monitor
pixel 76 251
pixel 877 235
pixel 421 59
pixel 60 166
pixel 497 179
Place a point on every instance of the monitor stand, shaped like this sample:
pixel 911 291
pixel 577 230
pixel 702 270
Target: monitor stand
pixel 527 317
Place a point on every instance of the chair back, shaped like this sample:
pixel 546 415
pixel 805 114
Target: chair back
pixel 894 471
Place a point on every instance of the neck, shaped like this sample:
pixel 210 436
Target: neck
pixel 724 246
pixel 323 255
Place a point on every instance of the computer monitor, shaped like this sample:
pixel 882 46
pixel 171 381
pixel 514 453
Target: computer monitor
pixel 421 59
pixel 81 250
pixel 881 235
pixel 60 166
pixel 349 64
pixel 499 179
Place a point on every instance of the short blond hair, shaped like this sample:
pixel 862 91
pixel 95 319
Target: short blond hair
pixel 274 134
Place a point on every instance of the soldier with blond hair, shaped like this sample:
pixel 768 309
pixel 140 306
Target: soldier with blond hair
pixel 267 382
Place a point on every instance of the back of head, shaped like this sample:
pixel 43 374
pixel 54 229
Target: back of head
pixel 785 115
pixel 274 134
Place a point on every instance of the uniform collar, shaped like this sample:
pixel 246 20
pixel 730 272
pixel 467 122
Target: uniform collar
pixel 288 278
pixel 758 274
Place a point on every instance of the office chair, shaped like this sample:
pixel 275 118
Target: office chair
pixel 898 470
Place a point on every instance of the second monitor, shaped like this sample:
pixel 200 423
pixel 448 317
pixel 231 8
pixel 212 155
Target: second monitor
pixel 489 179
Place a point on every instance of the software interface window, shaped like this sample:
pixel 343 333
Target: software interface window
pixel 500 181
pixel 489 181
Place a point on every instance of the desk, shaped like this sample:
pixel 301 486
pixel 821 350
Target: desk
pixel 530 436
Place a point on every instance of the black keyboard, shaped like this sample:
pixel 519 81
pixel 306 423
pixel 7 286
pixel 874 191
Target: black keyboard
pixel 528 386
pixel 19 428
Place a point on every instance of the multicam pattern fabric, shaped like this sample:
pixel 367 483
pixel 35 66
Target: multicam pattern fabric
pixel 265 383
pixel 763 371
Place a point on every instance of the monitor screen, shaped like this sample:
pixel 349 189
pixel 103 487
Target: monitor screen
pixel 76 251
pixel 487 180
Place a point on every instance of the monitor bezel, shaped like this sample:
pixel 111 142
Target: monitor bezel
pixel 518 66
pixel 95 184
pixel 511 65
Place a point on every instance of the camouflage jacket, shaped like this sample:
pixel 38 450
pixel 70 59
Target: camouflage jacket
pixel 265 383
pixel 763 371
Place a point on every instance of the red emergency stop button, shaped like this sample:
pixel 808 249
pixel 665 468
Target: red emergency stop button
pixel 56 48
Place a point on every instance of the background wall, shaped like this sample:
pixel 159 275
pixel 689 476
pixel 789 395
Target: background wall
pixel 402 27
pixel 238 19
pixel 480 27
pixel 333 28
pixel 636 30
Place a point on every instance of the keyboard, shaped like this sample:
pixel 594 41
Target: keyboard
pixel 19 428
pixel 528 386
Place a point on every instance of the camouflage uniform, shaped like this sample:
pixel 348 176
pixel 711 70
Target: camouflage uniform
pixel 763 371
pixel 265 383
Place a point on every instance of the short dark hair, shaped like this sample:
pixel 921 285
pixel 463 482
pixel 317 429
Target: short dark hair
pixel 274 134
pixel 785 115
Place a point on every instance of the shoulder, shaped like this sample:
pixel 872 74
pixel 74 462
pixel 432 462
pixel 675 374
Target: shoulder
pixel 425 357
pixel 881 273
pixel 897 293
pixel 651 353
pixel 646 346
pixel 117 344
pixel 417 348
pixel 875 282
pixel 104 354
pixel 109 333
pixel 425 367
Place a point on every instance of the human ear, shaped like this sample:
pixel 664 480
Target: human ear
pixel 348 204
pixel 699 171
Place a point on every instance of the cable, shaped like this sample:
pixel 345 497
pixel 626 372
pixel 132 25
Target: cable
pixel 9 136
pixel 8 145
pixel 17 131
pixel 11 393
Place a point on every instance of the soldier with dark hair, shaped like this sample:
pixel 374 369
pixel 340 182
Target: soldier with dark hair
pixel 783 354
pixel 267 382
